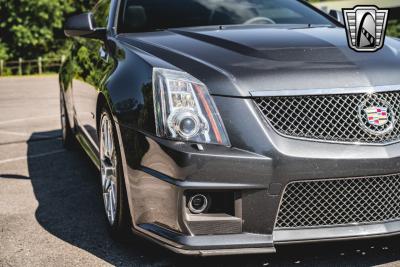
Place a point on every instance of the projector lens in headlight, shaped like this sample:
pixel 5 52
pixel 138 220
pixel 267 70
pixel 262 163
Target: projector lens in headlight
pixel 185 123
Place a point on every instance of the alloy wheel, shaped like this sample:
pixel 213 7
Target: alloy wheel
pixel 108 168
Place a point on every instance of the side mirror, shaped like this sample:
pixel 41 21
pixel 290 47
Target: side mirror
pixel 338 15
pixel 83 26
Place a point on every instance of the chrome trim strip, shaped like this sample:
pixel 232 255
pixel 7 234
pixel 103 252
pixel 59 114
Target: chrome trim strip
pixel 340 232
pixel 328 91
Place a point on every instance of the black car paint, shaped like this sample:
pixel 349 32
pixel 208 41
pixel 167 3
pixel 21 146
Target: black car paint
pixel 232 61
pixel 260 58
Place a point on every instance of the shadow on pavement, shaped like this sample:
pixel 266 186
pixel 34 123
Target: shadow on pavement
pixel 67 187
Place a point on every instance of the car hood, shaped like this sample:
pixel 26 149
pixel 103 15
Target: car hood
pixel 239 60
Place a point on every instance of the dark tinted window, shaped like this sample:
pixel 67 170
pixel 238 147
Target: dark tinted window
pixel 101 12
pixel 150 15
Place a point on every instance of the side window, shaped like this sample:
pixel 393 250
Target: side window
pixel 101 12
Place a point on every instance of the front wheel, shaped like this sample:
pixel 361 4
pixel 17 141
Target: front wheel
pixel 112 179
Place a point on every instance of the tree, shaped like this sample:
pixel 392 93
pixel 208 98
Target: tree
pixel 3 51
pixel 394 28
pixel 32 28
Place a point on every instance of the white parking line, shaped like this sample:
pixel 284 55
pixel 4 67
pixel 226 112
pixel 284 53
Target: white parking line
pixel 28 119
pixel 14 133
pixel 33 156
pixel 24 134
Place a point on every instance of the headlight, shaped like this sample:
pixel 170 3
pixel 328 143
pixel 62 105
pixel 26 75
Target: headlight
pixel 184 109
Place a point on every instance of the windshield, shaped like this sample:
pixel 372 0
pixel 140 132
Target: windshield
pixel 152 15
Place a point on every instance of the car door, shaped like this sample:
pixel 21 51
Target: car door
pixel 91 68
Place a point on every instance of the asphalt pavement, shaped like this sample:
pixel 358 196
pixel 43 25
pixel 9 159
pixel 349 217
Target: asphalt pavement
pixel 51 211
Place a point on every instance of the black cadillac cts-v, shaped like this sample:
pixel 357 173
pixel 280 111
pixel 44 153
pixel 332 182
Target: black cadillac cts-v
pixel 231 126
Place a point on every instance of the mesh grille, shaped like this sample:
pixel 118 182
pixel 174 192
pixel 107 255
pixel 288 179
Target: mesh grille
pixel 340 202
pixel 340 118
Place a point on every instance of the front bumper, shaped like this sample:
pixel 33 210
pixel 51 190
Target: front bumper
pixel 257 169
pixel 209 245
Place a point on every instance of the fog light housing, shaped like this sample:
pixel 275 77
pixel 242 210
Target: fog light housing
pixel 198 203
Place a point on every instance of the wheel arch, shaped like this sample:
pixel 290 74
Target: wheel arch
pixel 128 95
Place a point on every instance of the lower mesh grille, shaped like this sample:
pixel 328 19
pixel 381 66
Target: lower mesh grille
pixel 340 202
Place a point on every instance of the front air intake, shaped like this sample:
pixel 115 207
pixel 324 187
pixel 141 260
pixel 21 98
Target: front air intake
pixel 337 202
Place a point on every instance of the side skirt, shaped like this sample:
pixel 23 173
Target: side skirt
pixel 93 155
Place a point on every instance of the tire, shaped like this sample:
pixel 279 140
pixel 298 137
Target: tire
pixel 68 137
pixel 112 180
